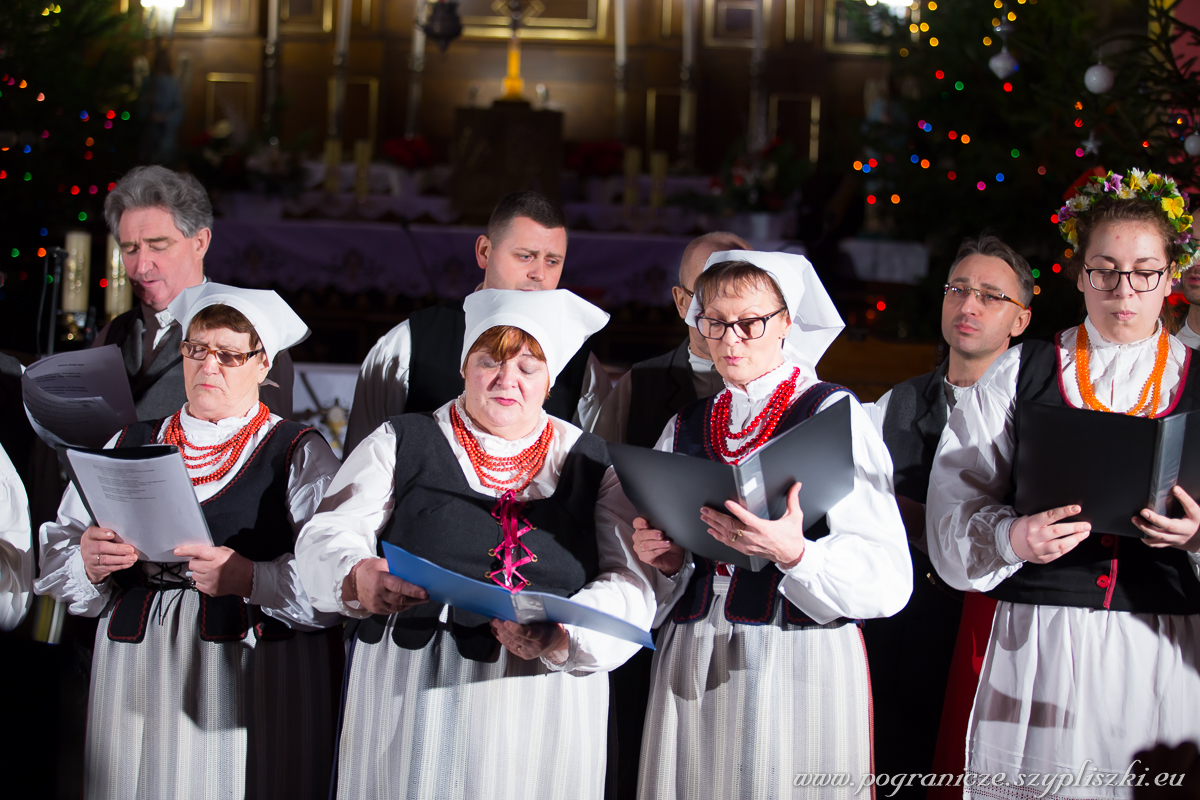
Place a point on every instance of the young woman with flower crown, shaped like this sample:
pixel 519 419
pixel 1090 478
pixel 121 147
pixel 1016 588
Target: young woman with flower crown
pixel 760 679
pixel 1093 648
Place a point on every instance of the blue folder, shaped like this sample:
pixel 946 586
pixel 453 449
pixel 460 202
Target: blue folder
pixel 489 600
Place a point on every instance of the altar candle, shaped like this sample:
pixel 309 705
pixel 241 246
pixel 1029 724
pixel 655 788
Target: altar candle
pixel 343 27
pixel 77 272
pixel 633 171
pixel 658 179
pixel 619 32
pixel 333 164
pixel 118 294
pixel 362 169
pixel 757 17
pixel 689 34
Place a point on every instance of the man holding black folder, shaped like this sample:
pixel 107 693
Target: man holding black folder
pixel 987 297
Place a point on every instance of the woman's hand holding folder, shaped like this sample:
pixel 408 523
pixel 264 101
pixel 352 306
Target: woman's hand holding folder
pixel 104 553
pixel 654 548
pixel 781 540
pixel 378 591
pixel 1166 532
pixel 1040 539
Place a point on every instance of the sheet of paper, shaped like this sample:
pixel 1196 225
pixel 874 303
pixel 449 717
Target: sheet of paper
pixel 143 494
pixel 490 600
pixel 79 398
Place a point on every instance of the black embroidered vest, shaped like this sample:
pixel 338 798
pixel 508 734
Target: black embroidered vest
pixel 658 388
pixel 439 517
pixel 249 515
pixel 751 597
pixel 433 375
pixel 1104 571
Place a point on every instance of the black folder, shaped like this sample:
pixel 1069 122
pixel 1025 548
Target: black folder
pixel 668 489
pixel 1110 465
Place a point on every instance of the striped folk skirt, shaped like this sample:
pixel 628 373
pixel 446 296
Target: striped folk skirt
pixel 175 716
pixel 431 724
pixel 1068 697
pixel 757 711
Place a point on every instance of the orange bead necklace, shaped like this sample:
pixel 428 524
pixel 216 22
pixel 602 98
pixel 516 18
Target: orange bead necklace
pixel 521 467
pixel 223 455
pixel 1151 391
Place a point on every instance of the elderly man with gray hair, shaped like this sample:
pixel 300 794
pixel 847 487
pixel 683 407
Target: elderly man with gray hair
pixel 162 221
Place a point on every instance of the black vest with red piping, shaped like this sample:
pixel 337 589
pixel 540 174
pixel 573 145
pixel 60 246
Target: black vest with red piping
pixel 1104 571
pixel 249 515
pixel 751 597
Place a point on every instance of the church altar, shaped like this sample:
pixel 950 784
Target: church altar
pixel 610 269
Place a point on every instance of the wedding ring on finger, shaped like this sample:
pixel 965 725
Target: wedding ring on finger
pixel 737 534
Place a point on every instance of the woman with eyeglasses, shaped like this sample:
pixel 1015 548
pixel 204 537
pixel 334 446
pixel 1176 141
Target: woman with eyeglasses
pixel 211 676
pixel 761 677
pixel 1092 654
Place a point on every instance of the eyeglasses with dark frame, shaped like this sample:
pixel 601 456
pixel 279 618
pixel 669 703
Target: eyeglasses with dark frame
pixel 747 328
pixel 226 358
pixel 1140 280
pixel 987 299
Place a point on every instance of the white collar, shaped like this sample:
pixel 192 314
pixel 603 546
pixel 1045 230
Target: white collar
pixel 1097 340
pixel 164 319
pixel 699 364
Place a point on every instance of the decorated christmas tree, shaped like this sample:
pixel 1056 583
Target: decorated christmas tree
pixel 68 129
pixel 996 108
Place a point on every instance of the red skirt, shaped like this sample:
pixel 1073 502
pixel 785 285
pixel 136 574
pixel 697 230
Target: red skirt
pixel 973 633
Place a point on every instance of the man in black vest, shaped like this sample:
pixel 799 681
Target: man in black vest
pixel 162 221
pixel 636 412
pixel 415 366
pixel 652 391
pixel 987 297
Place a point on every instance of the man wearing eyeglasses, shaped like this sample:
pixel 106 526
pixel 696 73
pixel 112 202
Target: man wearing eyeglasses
pixel 162 221
pixel 1189 334
pixel 986 303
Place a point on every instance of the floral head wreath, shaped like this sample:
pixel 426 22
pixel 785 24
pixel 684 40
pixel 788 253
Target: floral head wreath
pixel 1149 187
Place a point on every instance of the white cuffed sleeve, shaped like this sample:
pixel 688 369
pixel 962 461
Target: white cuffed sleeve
pixel 622 589
pixel 862 568
pixel 346 526
pixel 278 590
pixel 16 547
